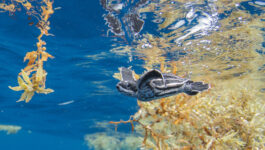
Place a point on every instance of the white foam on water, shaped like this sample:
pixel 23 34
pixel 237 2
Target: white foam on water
pixel 177 25
pixel 262 3
pixel 117 7
pixel 206 21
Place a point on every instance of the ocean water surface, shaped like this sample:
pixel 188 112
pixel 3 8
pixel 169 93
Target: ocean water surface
pixel 91 40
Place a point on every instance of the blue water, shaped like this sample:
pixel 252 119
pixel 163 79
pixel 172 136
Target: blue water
pixel 87 82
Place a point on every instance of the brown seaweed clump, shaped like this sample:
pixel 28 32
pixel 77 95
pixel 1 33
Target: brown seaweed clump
pixel 230 115
pixel 32 78
pixel 220 118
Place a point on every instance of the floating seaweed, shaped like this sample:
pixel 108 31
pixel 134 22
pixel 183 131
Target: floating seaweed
pixel 10 129
pixel 228 116
pixel 32 78
pixel 217 119
pixel 118 140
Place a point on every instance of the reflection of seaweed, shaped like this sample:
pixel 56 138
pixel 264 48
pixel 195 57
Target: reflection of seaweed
pixel 33 75
pixel 231 114
pixel 130 24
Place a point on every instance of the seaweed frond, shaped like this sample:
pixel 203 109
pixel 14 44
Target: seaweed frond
pixel 32 78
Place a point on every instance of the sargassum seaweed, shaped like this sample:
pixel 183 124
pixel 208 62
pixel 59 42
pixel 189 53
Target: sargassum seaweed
pixel 228 116
pixel 32 78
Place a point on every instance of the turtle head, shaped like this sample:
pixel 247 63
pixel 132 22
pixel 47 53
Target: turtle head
pixel 127 88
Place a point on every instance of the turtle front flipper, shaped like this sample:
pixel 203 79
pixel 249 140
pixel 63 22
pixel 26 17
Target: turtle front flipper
pixel 126 74
pixel 145 90
pixel 148 76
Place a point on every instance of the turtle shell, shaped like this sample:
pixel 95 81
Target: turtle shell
pixel 154 85
pixel 169 81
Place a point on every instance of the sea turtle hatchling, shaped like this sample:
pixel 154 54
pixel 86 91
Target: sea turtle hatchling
pixel 154 85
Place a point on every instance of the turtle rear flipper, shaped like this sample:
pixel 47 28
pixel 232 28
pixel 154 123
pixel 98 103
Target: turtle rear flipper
pixel 193 88
pixel 127 75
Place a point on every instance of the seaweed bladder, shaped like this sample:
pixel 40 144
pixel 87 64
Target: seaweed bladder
pixel 32 78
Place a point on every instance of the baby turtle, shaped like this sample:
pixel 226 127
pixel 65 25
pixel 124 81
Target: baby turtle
pixel 154 85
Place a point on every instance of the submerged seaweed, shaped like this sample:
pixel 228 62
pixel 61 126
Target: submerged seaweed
pixel 231 114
